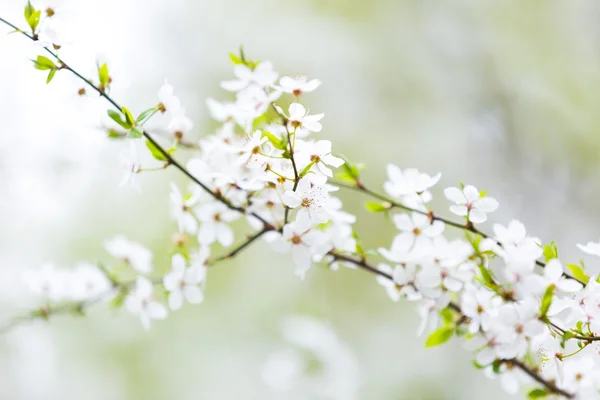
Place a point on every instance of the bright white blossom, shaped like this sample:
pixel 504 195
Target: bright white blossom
pixel 410 186
pixel 471 203
pixel 298 84
pixel 183 282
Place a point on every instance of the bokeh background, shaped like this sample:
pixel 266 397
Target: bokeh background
pixel 504 95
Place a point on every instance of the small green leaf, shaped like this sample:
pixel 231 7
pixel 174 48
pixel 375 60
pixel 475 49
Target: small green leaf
pixel 115 116
pixel 50 76
pixel 550 251
pixel 537 393
pixel 477 365
pixel 496 366
pixel 351 172
pixel 32 16
pixel 439 336
pixel 128 116
pixel 146 115
pixel 275 141
pixel 568 335
pixel 103 74
pixel 156 153
pixel 488 279
pixel 44 63
pixel 547 301
pixel 579 326
pixel 375 207
pixel 29 10
pixel 306 169
pixel 578 273
pixel 115 134
pixel 235 59
pixel 135 133
pixel 447 315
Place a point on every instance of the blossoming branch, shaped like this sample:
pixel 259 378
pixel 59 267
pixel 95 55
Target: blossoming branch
pixel 527 316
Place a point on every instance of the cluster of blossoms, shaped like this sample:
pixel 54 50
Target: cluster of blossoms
pixel 532 323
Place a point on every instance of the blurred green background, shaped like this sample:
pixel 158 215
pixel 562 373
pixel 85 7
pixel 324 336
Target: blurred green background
pixel 503 95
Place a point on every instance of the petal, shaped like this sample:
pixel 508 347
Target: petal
pixel 175 300
pixel 193 294
pixel 156 310
pixel 569 285
pixel 471 193
pixel 224 235
pixel 460 210
pixel 291 199
pixel 403 222
pixel 332 160
pixel 297 111
pixel 455 195
pixel 553 270
pixel 302 257
pixel 477 216
pixel 206 234
pixel 487 204
pixel 303 221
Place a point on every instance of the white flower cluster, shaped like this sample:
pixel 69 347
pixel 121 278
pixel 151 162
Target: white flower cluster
pixel 512 308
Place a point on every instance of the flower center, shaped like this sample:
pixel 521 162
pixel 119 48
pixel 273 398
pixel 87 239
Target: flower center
pixel 296 123
pixel 296 240
pixel 315 158
pixel 297 92
pixel 306 202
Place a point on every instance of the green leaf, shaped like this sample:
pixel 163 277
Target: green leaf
pixel 44 63
pixel 156 153
pixel 135 133
pixel 439 336
pixel 546 301
pixel 306 169
pixel 550 251
pixel 29 10
pixel 488 279
pixel 275 141
pixel 146 115
pixel 50 76
pixel 496 366
pixel 32 16
pixel 568 335
pixel 103 74
pixel 235 59
pixel 537 393
pixel 115 116
pixel 375 207
pixel 447 315
pixel 578 273
pixel 128 116
pixel 114 134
